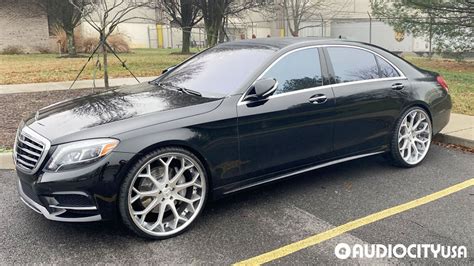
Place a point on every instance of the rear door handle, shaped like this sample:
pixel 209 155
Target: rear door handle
pixel 318 99
pixel 397 86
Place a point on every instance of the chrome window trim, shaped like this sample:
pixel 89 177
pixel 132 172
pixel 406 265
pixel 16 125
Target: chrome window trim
pixel 401 77
pixel 47 145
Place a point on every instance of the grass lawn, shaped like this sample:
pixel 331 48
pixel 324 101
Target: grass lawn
pixel 460 79
pixel 17 69
pixel 32 68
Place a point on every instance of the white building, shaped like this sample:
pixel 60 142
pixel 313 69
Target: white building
pixel 351 21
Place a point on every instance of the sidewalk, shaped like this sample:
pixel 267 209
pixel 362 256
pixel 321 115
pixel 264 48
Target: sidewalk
pixel 459 131
pixel 64 85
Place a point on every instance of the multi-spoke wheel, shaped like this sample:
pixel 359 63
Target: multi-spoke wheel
pixel 412 139
pixel 164 193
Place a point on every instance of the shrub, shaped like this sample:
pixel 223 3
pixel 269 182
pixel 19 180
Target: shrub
pixel 43 50
pixel 118 43
pixel 13 49
pixel 88 44
pixel 62 39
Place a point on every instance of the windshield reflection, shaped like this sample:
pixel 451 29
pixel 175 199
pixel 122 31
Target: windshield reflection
pixel 219 71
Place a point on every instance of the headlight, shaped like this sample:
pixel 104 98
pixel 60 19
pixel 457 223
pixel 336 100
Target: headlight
pixel 76 154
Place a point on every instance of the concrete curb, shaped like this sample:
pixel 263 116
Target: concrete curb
pixel 449 139
pixel 6 161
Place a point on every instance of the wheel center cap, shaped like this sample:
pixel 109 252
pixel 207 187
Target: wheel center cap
pixel 166 191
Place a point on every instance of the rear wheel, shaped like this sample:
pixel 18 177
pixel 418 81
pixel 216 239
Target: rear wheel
pixel 164 193
pixel 412 138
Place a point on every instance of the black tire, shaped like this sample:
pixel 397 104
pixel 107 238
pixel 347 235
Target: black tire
pixel 127 182
pixel 394 155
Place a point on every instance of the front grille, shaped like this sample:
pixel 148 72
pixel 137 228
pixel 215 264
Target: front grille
pixel 30 150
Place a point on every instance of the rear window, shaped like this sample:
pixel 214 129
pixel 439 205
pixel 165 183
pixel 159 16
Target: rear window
pixel 219 71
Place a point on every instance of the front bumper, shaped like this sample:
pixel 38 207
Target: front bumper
pixel 56 214
pixel 81 195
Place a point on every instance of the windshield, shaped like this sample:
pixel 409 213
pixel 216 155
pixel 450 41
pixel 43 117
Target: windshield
pixel 219 71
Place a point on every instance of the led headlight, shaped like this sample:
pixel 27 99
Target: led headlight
pixel 76 154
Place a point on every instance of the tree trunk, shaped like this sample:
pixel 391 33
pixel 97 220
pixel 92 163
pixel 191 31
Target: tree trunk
pixel 222 33
pixel 430 54
pixel 186 40
pixel 71 45
pixel 210 36
pixel 213 20
pixel 104 52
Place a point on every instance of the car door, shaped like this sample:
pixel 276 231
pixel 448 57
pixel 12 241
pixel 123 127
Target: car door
pixel 293 127
pixel 369 96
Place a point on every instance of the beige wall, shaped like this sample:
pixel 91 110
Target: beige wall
pixel 23 23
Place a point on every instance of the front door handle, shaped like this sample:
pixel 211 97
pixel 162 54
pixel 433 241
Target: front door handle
pixel 318 99
pixel 397 86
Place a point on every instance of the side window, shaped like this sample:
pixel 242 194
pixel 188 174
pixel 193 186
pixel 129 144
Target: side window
pixel 386 70
pixel 352 64
pixel 296 71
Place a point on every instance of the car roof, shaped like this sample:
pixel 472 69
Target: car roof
pixel 286 42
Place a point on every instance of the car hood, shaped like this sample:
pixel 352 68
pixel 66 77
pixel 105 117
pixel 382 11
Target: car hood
pixel 87 117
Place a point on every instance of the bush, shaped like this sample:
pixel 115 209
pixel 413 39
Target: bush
pixel 118 43
pixel 88 44
pixel 43 50
pixel 62 39
pixel 13 49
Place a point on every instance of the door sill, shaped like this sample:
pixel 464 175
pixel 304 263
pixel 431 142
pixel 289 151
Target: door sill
pixel 278 177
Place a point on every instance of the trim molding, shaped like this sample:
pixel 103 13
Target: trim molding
pixel 401 77
pixel 261 182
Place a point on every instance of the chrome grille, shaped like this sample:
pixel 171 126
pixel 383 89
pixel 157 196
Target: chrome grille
pixel 30 150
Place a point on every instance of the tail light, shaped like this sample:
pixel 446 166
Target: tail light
pixel 442 82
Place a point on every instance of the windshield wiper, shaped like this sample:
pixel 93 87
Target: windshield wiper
pixel 180 89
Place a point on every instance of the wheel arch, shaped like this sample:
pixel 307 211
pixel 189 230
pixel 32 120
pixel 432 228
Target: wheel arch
pixel 422 105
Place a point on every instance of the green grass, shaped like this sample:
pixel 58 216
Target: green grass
pixel 18 69
pixel 5 150
pixel 460 79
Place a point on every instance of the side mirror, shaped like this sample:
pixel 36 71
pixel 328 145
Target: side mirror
pixel 263 88
pixel 168 69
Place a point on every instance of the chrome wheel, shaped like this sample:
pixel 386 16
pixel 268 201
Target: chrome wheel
pixel 414 136
pixel 166 194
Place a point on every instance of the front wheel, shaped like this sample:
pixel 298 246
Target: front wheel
pixel 163 194
pixel 412 138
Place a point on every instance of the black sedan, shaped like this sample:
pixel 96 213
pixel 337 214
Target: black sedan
pixel 232 117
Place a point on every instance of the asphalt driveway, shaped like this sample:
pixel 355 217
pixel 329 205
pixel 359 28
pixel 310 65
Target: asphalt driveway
pixel 257 221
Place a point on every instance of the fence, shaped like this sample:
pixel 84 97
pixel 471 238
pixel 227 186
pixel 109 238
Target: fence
pixel 362 28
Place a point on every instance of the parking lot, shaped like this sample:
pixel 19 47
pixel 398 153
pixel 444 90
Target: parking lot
pixel 254 222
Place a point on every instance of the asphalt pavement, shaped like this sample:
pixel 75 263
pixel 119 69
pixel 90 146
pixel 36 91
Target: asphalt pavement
pixel 248 224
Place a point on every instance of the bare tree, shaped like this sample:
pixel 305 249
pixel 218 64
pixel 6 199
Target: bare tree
pixel 104 16
pixel 215 12
pixel 67 17
pixel 296 12
pixel 186 14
